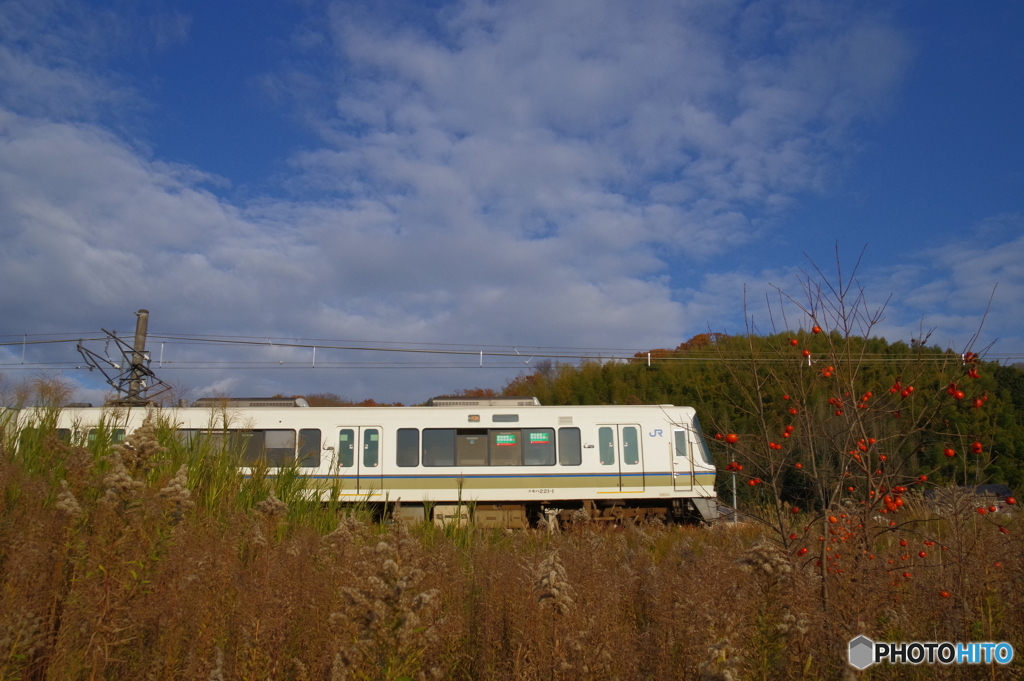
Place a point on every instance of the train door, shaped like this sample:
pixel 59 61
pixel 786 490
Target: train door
pixel 619 449
pixel 359 457
pixel 682 463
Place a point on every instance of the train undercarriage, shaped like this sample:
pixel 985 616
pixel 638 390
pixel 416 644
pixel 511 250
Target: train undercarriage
pixel 523 515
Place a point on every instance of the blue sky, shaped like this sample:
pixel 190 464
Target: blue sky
pixel 494 175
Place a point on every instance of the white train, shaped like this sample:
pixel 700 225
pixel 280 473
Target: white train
pixel 506 461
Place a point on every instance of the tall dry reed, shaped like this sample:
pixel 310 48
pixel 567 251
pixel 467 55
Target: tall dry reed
pixel 153 560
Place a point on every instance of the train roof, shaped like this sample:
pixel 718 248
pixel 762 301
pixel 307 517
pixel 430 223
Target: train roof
pixel 446 401
pixel 250 402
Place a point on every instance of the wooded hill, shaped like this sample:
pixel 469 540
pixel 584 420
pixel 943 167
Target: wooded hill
pixel 844 390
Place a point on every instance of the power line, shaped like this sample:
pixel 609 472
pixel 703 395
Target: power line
pixel 319 342
pixel 526 354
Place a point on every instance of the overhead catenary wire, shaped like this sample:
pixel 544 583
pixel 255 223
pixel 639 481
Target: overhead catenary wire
pixel 475 351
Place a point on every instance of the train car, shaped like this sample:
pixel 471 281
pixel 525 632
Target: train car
pixel 508 461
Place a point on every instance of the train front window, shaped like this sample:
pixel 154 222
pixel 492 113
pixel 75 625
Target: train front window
pixel 702 445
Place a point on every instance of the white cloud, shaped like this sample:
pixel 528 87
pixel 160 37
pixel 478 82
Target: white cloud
pixel 954 284
pixel 941 292
pixel 514 175
pixel 601 102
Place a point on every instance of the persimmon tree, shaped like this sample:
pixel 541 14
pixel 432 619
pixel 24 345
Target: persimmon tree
pixel 839 438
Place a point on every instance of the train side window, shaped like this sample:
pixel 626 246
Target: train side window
pixel 62 434
pixel 630 446
pixel 279 447
pixel 438 446
pixel 371 447
pixel 309 448
pixel 249 444
pixel 205 440
pixel 346 448
pixel 679 436
pixel 471 447
pixel 28 433
pixel 407 445
pixel 606 445
pixel 570 451
pixel 539 447
pixel 506 447
pixel 116 435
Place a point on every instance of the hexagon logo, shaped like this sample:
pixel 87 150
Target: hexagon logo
pixel 862 652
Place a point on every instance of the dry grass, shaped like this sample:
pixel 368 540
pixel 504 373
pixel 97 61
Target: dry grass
pixel 144 563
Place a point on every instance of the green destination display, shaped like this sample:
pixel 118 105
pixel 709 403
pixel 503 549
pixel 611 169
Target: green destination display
pixel 505 439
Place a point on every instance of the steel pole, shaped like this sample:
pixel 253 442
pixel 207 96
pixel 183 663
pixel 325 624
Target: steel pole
pixel 138 355
pixel 735 508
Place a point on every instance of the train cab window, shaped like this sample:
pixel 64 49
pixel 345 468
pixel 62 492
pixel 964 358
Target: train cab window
pixel 346 448
pixel 309 448
pixel 570 451
pixel 630 446
pixel 506 447
pixel 371 447
pixel 471 447
pixel 408 447
pixel 438 446
pixel 539 447
pixel 679 436
pixel 606 445
pixel 702 445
